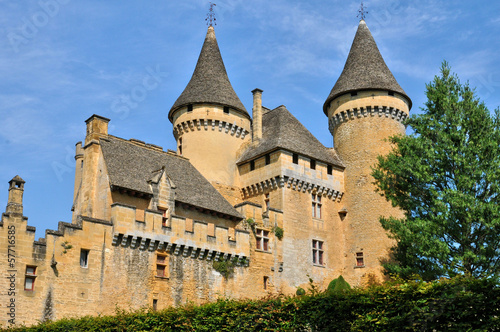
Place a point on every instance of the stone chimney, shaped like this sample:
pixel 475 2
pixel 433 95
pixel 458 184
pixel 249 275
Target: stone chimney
pixel 97 127
pixel 16 190
pixel 257 114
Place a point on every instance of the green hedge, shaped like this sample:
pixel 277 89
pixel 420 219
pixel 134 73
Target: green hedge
pixel 460 304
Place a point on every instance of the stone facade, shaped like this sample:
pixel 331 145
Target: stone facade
pixel 260 197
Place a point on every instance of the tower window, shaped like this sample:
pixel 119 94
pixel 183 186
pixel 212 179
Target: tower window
pixel 317 252
pixel 161 266
pixel 155 304
pixel 360 260
pixel 390 93
pixel 29 278
pixel 226 109
pixel 295 158
pixel 266 281
pixel 164 217
pixel 355 93
pixel 180 146
pixel 190 108
pixel 262 238
pixel 84 257
pixel 268 159
pixel 316 206
pixel 252 165
pixel 329 169
pixel 266 202
pixel 312 164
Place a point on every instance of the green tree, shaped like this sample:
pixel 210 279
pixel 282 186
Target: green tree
pixel 446 178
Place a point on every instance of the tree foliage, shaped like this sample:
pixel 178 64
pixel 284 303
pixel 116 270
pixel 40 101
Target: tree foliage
pixel 446 178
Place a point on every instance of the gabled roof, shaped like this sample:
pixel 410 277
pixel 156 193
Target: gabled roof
pixel 132 167
pixel 281 130
pixel 209 83
pixel 365 69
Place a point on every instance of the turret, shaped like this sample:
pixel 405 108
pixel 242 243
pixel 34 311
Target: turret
pixel 210 122
pixel 364 108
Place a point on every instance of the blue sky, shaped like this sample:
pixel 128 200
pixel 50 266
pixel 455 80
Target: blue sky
pixel 63 60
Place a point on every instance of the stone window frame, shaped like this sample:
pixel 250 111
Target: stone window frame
pixel 30 275
pixel 164 216
pixel 316 206
pixel 318 252
pixel 84 258
pixel 161 265
pixel 262 240
pixel 360 259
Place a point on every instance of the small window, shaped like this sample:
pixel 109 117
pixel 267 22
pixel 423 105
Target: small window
pixel 161 266
pixel 226 109
pixel 29 278
pixel 262 238
pixel 295 158
pixel 84 258
pixel 252 165
pixel 268 159
pixel 316 206
pixel 266 281
pixel 329 169
pixel 164 218
pixel 360 260
pixel 317 252
pixel 180 146
pixel 312 164
pixel 190 108
pixel 355 93
pixel 155 304
pixel 390 93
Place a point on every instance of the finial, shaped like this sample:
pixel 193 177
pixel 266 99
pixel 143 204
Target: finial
pixel 362 12
pixel 211 15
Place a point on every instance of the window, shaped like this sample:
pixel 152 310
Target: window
pixel 266 202
pixel 390 93
pixel 155 304
pixel 360 261
pixel 164 217
pixel 190 108
pixel 295 158
pixel 161 266
pixel 312 164
pixel 317 252
pixel 329 169
pixel 268 159
pixel 84 257
pixel 262 237
pixel 29 278
pixel 180 146
pixel 355 93
pixel 316 206
pixel 226 109
pixel 266 281
pixel 252 165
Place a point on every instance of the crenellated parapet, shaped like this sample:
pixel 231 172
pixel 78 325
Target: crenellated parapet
pixel 221 126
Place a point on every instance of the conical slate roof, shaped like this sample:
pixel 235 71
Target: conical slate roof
pixel 365 69
pixel 209 83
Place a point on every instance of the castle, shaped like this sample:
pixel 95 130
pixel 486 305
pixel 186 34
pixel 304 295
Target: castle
pixel 245 207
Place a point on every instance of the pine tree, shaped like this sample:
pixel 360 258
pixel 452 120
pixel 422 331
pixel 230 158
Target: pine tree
pixel 446 178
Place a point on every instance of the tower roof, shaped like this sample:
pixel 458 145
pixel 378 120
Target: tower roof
pixel 365 69
pixel 209 83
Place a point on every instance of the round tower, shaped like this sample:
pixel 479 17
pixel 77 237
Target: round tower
pixel 210 122
pixel 364 108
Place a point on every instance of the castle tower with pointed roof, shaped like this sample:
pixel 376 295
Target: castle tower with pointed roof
pixel 210 122
pixel 364 108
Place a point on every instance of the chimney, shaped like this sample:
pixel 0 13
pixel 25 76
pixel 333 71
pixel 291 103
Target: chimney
pixel 97 126
pixel 16 190
pixel 257 114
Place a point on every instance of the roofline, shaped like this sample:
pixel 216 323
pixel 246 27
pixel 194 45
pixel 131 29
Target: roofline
pixel 223 215
pixel 173 110
pixel 410 104
pixel 283 149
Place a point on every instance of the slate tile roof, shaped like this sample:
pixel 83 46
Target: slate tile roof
pixel 281 130
pixel 365 69
pixel 209 83
pixel 131 167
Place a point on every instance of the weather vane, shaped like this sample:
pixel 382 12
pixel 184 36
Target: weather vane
pixel 211 15
pixel 362 12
